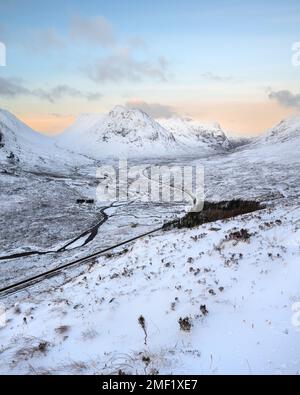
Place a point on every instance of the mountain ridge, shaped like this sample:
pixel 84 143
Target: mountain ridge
pixel 22 146
pixel 135 133
pixel 125 132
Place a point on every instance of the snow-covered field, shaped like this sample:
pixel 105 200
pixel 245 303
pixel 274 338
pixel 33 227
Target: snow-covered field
pixel 90 325
pixel 237 299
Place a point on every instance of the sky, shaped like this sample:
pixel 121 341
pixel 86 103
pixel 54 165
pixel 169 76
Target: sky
pixel 237 63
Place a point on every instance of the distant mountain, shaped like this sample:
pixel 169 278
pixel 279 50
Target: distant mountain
pixel 133 133
pixel 196 135
pixel 120 132
pixel 22 146
pixel 284 131
pixel 280 144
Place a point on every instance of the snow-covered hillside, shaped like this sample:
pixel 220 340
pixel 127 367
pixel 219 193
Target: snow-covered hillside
pixel 279 144
pixel 121 132
pixel 219 298
pixel 21 145
pixel 285 131
pixel 233 297
pixel 196 135
pixel 133 133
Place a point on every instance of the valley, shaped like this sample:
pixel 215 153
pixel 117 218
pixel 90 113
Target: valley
pixel 166 276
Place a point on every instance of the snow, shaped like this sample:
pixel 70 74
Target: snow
pixel 22 146
pixel 86 320
pixel 121 132
pixel 195 134
pixel 132 133
pixel 286 130
pixel 247 287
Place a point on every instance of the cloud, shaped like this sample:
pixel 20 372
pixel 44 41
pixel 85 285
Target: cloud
pixel 12 88
pixel 123 60
pixel 61 91
pixel 94 30
pixel 123 66
pixel 45 40
pixel 285 98
pixel 217 78
pixel 156 110
pixel 137 42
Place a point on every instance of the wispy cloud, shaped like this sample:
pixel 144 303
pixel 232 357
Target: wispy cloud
pixel 286 98
pixel 124 66
pixel 95 30
pixel 217 78
pixel 124 60
pixel 137 42
pixel 61 91
pixel 14 87
pixel 156 110
pixel 43 40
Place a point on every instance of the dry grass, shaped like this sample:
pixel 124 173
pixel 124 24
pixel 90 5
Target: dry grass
pixel 185 324
pixel 214 211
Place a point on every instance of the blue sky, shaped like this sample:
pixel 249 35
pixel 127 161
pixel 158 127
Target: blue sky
pixel 214 60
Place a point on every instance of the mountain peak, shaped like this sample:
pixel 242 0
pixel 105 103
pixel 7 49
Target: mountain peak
pixel 119 109
pixel 286 130
pixel 126 112
pixel 11 122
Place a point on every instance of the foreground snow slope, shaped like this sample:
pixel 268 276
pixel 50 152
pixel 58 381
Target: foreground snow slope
pixel 247 287
pixel 20 145
pixel 133 133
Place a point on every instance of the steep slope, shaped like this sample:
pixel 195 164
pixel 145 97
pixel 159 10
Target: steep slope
pixel 278 144
pixel 133 133
pixel 22 146
pixel 196 135
pixel 122 131
pixel 285 131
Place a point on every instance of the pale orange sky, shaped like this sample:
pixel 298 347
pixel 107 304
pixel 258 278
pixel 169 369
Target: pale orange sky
pixel 240 118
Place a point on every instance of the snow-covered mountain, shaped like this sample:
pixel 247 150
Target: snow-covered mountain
pixel 21 145
pixel 122 131
pixel 197 135
pixel 125 132
pixel 284 131
pixel 133 133
pixel 279 144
